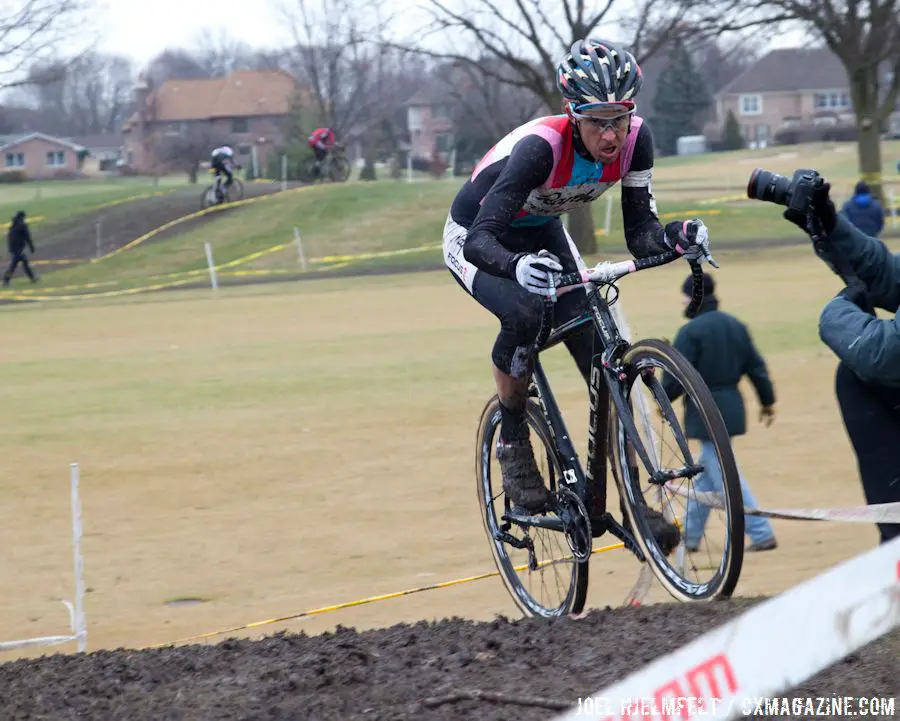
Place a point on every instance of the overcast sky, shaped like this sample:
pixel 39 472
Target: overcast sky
pixel 143 29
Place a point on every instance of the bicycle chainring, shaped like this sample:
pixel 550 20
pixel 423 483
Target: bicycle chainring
pixel 576 523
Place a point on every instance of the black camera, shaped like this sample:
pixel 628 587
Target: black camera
pixel 795 193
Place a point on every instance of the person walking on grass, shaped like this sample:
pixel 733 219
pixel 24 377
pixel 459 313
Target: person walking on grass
pixel 17 239
pixel 720 347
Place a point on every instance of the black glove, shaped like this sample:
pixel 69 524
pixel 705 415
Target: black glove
pixel 857 294
pixel 821 209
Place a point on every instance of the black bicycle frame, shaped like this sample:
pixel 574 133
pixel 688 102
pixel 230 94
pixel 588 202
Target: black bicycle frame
pixel 591 486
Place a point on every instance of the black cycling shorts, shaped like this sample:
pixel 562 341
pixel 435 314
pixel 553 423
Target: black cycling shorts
pixel 520 312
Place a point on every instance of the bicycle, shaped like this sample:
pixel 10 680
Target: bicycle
pixel 618 364
pixel 216 194
pixel 335 167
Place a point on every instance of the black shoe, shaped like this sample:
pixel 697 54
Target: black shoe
pixel 522 480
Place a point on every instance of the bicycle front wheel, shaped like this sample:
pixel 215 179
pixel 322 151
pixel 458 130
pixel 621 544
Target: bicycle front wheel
pixel 552 582
pixel 340 169
pixel 236 191
pixel 693 482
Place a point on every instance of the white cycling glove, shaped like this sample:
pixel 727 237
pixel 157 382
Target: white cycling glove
pixel 535 272
pixel 691 239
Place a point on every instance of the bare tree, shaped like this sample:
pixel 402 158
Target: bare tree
pixel 36 30
pixel 337 54
pixel 90 95
pixel 865 35
pixel 173 64
pixel 526 38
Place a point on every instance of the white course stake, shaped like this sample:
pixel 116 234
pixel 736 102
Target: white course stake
pixel 212 267
pixel 608 224
pixel 77 622
pixel 301 257
pixel 283 173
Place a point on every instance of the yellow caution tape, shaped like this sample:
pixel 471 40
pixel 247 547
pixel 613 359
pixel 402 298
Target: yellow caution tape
pixel 371 599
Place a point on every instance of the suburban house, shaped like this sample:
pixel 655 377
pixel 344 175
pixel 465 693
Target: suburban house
pixel 247 109
pixel 104 152
pixel 39 156
pixel 430 122
pixel 804 89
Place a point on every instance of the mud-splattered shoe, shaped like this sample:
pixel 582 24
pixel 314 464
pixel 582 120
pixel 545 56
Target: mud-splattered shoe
pixel 667 535
pixel 522 480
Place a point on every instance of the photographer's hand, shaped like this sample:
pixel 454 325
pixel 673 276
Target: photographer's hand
pixel 857 294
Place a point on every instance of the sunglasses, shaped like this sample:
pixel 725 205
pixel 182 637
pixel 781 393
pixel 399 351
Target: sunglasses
pixel 616 122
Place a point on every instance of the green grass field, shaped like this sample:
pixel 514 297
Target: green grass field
pixel 395 225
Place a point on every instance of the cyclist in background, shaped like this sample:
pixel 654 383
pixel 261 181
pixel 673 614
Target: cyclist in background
pixel 222 161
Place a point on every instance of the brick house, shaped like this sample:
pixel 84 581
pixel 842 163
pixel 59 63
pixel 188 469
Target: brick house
pixel 801 88
pixel 245 109
pixel 429 118
pixel 38 156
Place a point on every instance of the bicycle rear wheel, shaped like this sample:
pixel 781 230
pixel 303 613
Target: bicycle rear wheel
pixel 558 586
pixel 689 463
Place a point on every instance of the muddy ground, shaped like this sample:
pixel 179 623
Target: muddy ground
pixel 397 673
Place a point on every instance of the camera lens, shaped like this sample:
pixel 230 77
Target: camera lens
pixel 770 187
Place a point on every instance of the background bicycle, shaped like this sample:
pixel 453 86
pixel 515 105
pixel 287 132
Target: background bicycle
pixel 216 193
pixel 336 167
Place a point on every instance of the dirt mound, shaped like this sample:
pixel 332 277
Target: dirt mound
pixel 122 223
pixel 401 672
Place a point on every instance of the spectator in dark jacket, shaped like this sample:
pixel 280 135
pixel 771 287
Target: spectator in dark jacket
pixel 17 239
pixel 868 377
pixel 720 347
pixel 864 211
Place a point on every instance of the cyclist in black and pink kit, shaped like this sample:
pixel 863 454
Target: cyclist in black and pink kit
pixel 504 238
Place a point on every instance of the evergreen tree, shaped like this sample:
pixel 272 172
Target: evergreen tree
pixel 731 134
pixel 681 99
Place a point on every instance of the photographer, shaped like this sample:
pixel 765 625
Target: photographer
pixel 868 376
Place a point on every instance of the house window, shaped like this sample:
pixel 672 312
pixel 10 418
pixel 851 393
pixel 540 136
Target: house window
pixel 15 160
pixel 822 101
pixel 441 111
pixel 443 143
pixel 56 159
pixel 239 125
pixel 243 150
pixel 751 104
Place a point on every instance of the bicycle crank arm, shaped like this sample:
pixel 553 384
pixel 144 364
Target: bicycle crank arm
pixel 608 523
pixel 522 518
pixel 661 477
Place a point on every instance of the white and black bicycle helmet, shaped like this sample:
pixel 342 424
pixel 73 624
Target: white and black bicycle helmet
pixel 598 72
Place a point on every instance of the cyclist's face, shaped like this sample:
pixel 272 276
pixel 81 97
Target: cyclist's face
pixel 604 137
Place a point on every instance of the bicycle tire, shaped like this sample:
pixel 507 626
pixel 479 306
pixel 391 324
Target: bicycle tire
pixel 729 569
pixel 207 195
pixel 236 191
pixel 340 169
pixel 486 437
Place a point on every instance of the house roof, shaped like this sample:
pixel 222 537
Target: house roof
pixel 437 92
pixel 243 93
pixel 9 141
pixel 97 141
pixel 791 69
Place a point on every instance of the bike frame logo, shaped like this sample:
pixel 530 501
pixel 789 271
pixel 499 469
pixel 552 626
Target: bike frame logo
pixel 594 395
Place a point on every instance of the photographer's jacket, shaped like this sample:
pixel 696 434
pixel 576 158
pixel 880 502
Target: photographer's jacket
pixel 870 347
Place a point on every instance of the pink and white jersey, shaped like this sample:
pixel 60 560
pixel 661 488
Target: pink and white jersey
pixel 573 180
